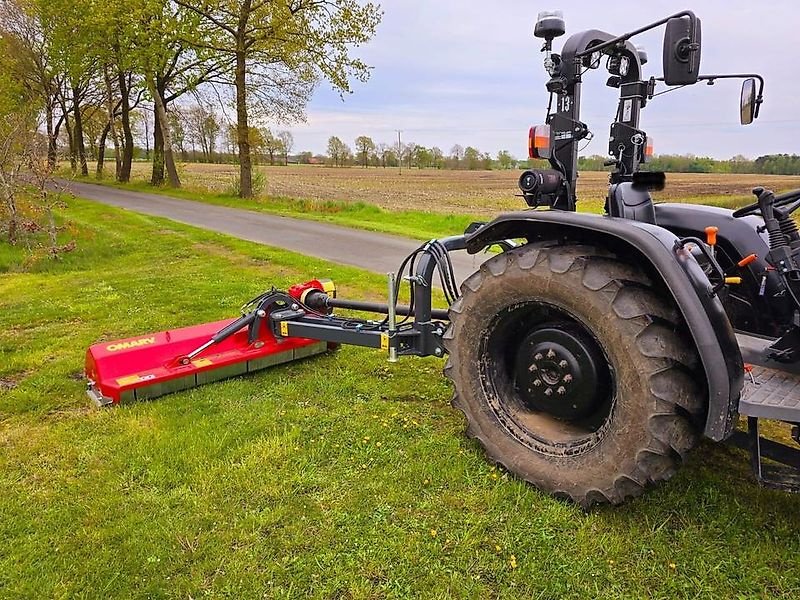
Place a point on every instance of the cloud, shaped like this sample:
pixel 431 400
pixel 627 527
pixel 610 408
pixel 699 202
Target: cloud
pixel 470 72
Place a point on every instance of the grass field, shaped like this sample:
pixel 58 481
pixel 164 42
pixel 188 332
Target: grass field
pixel 338 477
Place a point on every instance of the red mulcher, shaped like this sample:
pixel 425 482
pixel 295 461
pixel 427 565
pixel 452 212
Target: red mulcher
pixel 160 363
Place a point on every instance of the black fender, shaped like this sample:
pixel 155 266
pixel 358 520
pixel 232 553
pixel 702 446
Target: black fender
pixel 654 249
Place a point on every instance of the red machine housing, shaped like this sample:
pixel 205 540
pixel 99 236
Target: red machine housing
pixel 155 364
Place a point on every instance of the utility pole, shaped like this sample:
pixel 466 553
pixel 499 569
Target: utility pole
pixel 399 152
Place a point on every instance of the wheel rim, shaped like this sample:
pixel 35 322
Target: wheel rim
pixel 547 378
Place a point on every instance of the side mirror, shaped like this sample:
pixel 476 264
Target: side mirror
pixel 682 50
pixel 747 102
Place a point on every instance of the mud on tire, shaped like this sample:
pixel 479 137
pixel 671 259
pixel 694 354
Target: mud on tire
pixel 623 403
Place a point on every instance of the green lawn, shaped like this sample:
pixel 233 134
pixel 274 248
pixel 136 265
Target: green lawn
pixel 338 477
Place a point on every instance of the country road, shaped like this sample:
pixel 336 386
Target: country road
pixel 372 251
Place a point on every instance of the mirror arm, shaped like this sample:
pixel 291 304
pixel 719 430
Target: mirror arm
pixel 759 94
pixel 626 36
pixel 711 78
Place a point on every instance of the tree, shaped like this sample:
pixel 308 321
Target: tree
pixel 347 155
pixel 505 160
pixel 272 144
pixel 74 57
pixel 202 128
pixel 92 46
pixel 287 143
pixel 422 157
pixel 256 141
pixel 95 126
pixel 28 45
pixel 278 50
pixel 437 157
pixel 336 150
pixel 365 148
pixel 177 128
pixel 457 153
pixel 472 157
pixel 26 188
pixel 381 151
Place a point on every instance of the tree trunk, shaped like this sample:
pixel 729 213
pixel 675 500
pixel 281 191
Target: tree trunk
pixel 243 129
pixel 52 149
pixel 161 118
pixel 101 152
pixel 157 175
pixel 80 146
pixel 111 124
pixel 124 175
pixel 73 161
pixel 11 208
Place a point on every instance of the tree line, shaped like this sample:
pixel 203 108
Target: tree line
pixel 88 66
pixel 770 164
pixel 367 153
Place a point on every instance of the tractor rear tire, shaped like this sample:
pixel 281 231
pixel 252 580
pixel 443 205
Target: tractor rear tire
pixel 572 373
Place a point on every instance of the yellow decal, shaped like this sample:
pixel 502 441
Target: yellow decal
pixel 131 379
pixel 202 362
pixel 384 341
pixel 285 328
pixel 328 287
pixel 131 344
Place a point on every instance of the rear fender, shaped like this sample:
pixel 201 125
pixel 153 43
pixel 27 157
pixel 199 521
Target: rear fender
pixel 654 249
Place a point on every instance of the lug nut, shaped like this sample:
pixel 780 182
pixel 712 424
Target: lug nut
pixel 533 367
pixel 561 390
pixel 563 364
pixel 548 392
pixel 551 353
pixel 567 378
pixel 537 382
pixel 538 356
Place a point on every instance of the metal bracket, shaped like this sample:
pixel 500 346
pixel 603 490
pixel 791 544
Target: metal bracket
pixel 784 476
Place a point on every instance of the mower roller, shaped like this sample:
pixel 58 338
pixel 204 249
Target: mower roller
pixel 592 352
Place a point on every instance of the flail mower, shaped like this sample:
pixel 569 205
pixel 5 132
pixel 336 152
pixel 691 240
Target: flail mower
pixel 592 352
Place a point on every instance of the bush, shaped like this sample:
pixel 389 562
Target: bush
pixel 258 180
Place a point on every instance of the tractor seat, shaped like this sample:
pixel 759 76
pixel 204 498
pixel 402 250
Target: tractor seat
pixel 626 202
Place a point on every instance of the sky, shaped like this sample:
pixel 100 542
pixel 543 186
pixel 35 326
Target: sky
pixel 470 72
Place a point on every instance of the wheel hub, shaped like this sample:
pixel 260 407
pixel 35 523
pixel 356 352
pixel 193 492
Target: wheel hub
pixel 562 371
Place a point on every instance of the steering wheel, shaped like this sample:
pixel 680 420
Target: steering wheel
pixel 777 202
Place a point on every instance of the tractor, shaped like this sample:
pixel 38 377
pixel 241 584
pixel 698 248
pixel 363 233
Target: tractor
pixel 591 352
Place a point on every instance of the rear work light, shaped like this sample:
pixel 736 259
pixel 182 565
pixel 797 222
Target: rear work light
pixel 648 149
pixel 539 142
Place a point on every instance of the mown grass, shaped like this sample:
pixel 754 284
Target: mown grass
pixel 338 477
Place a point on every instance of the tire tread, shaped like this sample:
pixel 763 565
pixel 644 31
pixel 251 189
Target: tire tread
pixel 632 300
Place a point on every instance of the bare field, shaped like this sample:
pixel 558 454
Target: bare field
pixel 457 192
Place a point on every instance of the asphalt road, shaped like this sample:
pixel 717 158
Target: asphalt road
pixel 372 251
